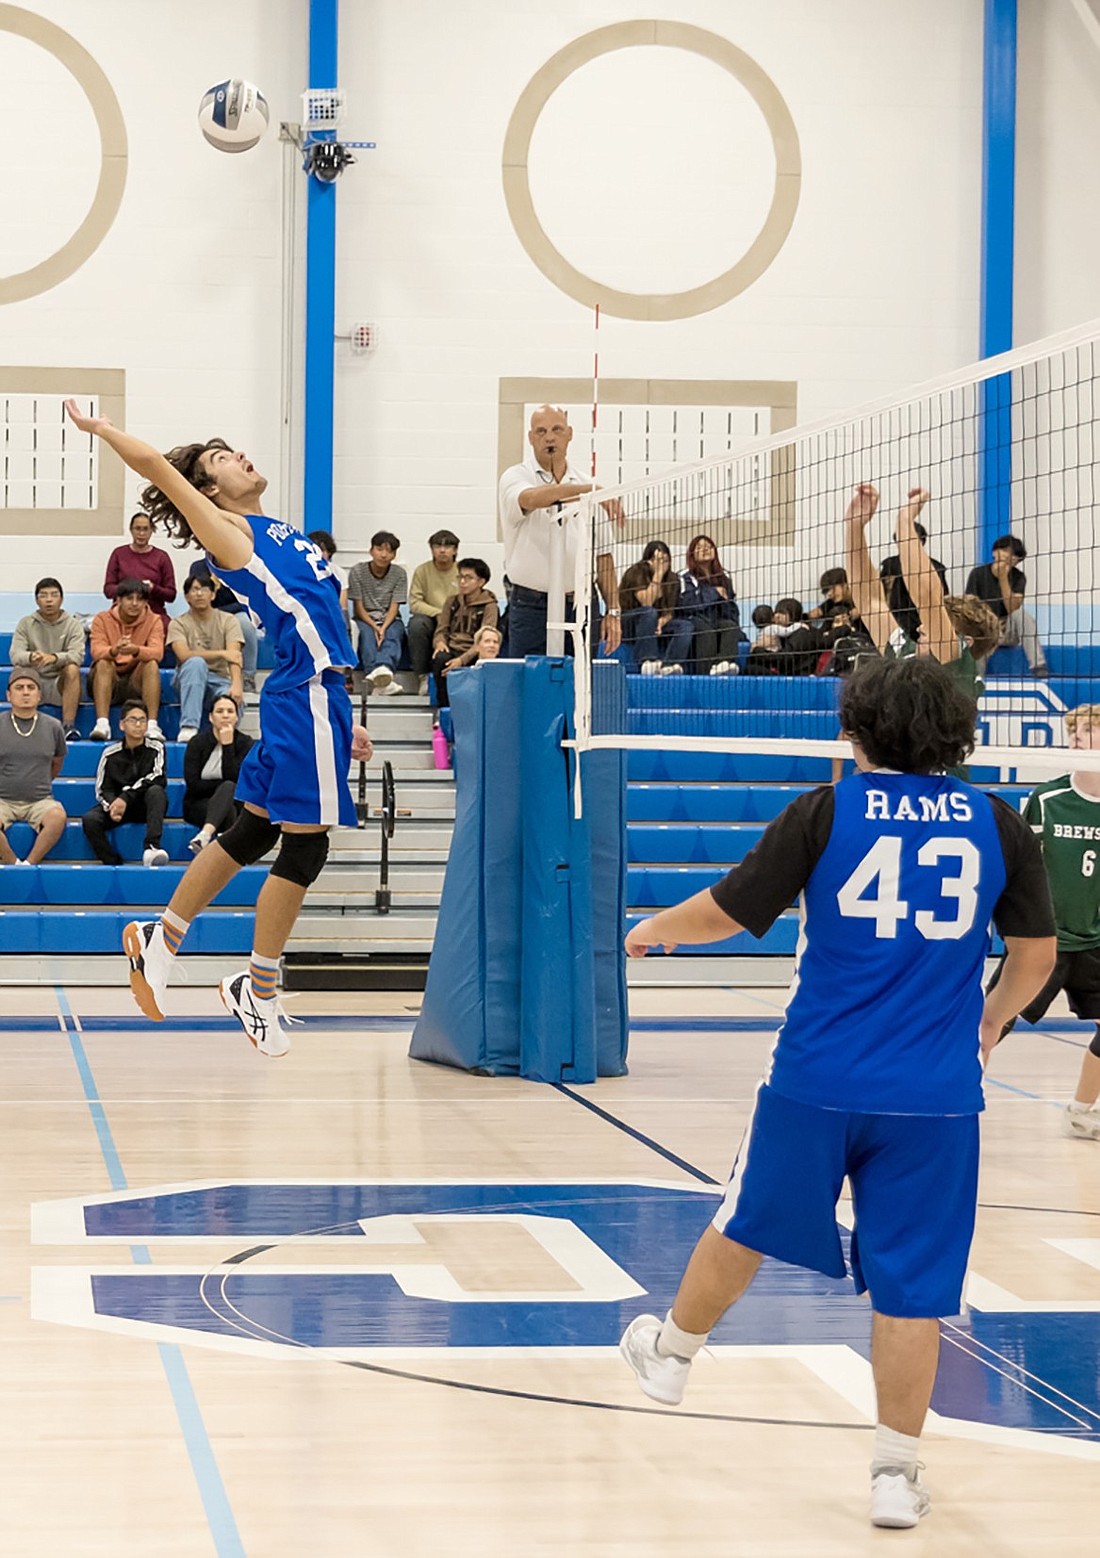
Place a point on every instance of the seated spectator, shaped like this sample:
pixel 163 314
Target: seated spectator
pixel 50 642
pixel 488 642
pixel 708 602
pixel 210 767
pixel 787 645
pixel 898 598
pixel 325 542
pixel 836 595
pixel 226 599
pixel 207 645
pixel 649 594
pixel 130 786
pixel 146 562
pixel 432 583
pixel 473 607
pixel 127 648
pixel 1001 585
pixel 376 590
pixel 32 750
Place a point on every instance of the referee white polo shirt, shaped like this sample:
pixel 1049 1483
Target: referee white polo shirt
pixel 527 536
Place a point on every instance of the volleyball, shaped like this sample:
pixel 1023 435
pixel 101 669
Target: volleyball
pixel 233 115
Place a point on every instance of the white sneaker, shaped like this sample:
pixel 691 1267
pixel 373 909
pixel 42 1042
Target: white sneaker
pixel 380 677
pixel 187 733
pixel 100 731
pixel 155 856
pixel 661 1378
pixel 672 670
pixel 1082 1124
pixel 150 962
pixel 422 687
pixel 392 689
pixel 153 731
pixel 259 1019
pixel 199 842
pixel 897 1502
pixel 721 668
pixel 651 668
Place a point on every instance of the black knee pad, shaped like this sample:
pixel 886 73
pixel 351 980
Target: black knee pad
pixel 250 838
pixel 301 858
pixel 1094 1047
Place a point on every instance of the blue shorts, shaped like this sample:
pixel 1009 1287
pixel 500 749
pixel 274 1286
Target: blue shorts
pixel 298 770
pixel 914 1185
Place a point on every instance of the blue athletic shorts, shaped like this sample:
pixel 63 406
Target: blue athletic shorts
pixel 914 1182
pixel 298 770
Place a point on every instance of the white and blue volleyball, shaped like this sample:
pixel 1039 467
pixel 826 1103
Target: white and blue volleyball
pixel 233 115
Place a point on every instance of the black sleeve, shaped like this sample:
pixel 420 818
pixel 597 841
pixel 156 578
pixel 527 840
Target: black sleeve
pixel 774 872
pixel 1024 908
pixel 197 750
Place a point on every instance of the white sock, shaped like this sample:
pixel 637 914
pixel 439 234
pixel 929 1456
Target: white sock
pixel 1077 1107
pixel 895 1451
pixel 674 1343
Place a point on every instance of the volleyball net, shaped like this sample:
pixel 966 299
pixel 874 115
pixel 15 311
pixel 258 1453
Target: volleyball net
pixel 958 516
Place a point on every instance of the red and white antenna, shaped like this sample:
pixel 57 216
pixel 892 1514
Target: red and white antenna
pixel 595 387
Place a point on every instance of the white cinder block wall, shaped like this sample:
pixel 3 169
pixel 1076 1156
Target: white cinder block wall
pixel 632 166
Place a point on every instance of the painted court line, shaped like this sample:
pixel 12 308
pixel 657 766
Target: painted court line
pixel 215 1500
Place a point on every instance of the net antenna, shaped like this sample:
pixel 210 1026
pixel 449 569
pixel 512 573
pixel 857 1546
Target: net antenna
pixel 1007 447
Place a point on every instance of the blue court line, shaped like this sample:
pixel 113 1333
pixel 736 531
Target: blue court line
pixel 215 1500
pixel 646 1141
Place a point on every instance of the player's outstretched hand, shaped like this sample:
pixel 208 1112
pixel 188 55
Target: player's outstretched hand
pixel 362 747
pixel 864 503
pixel 641 938
pixel 918 497
pixel 86 424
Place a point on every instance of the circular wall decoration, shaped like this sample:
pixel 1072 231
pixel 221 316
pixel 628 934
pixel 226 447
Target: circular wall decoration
pixel 652 305
pixel 112 170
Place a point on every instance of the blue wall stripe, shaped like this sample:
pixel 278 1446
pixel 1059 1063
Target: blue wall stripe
pixel 320 289
pixel 997 269
pixel 215 1500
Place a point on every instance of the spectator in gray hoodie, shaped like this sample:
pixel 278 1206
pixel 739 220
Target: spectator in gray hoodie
pixel 50 642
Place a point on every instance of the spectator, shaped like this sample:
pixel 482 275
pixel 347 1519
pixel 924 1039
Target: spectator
pixel 488 642
pixel 50 642
pixel 142 560
pixel 207 645
pixel 533 496
pixel 210 767
pixel 432 583
pixel 898 598
pixel 129 787
pixel 32 750
pixel 127 648
pixel 325 542
pixel 649 593
pixel 836 595
pixel 1001 585
pixel 787 645
pixel 226 599
pixel 708 601
pixel 463 614
pixel 376 589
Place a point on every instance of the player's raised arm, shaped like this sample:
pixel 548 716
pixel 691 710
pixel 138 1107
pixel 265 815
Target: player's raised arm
pixel 863 577
pixel 923 582
pixel 229 545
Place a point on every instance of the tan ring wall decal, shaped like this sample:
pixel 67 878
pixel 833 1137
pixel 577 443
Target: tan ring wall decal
pixel 112 168
pixel 652 305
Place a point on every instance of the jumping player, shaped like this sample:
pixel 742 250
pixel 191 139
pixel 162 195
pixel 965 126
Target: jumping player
pixel 876 1070
pixel 1065 817
pixel 957 630
pixel 293 784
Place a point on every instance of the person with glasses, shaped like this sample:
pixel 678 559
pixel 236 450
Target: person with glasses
pixel 464 613
pixel 130 786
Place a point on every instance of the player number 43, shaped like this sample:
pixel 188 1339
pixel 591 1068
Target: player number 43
pixel 881 868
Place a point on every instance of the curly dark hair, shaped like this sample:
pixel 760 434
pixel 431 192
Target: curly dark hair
pixel 908 714
pixel 186 459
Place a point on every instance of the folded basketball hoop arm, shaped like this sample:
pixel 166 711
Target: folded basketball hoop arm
pixel 389 817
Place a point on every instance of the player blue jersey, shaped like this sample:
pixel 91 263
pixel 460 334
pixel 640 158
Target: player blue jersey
pixel 899 877
pixel 293 590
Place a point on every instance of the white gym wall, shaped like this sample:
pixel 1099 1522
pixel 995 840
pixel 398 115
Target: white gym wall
pixel 649 169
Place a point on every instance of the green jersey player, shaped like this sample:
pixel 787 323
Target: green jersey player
pixel 1065 815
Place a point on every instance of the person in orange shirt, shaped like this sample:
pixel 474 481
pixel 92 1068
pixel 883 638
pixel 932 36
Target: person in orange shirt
pixel 127 648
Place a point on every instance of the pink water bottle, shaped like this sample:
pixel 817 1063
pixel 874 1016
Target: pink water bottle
pixel 441 748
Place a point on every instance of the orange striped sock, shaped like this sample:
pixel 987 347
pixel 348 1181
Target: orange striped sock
pixel 263 974
pixel 174 930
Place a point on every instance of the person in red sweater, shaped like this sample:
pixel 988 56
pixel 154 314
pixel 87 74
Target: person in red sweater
pixel 142 560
